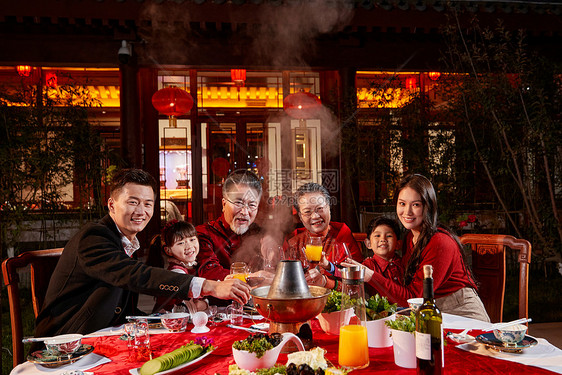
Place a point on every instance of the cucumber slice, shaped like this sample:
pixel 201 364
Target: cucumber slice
pixel 172 359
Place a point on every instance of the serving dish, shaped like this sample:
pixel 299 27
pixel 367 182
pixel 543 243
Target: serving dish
pixel 492 342
pixel 135 371
pixel 45 359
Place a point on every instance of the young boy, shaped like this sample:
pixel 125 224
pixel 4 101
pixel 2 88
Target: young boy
pixel 382 239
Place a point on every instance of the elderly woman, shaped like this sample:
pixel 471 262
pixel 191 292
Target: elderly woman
pixel 312 202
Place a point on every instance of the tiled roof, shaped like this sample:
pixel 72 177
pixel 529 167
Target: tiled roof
pixel 487 6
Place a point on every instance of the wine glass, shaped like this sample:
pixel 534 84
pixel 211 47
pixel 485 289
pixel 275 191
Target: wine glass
pixel 313 250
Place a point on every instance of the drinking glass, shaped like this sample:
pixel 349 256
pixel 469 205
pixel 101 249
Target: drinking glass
pixel 313 250
pixel 236 313
pixel 130 329
pixel 142 341
pixel 238 270
pixel 213 310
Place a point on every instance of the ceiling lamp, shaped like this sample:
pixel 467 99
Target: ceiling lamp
pixel 172 102
pixel 302 105
pixel 434 76
pixel 23 70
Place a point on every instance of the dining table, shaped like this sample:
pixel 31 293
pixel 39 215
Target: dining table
pixel 111 354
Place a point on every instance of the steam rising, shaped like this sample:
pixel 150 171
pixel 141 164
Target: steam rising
pixel 288 32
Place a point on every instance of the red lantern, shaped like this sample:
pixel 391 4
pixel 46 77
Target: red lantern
pixel 172 102
pixel 238 76
pixel 411 83
pixel 434 76
pixel 302 105
pixel 23 70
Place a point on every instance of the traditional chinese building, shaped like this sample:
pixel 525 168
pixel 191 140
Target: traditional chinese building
pixel 239 60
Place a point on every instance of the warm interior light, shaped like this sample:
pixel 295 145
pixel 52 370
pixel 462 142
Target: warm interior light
pixel 51 79
pixel 411 83
pixel 23 70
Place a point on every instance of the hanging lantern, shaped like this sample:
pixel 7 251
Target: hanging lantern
pixel 434 76
pixel 238 76
pixel 51 80
pixel 302 105
pixel 172 102
pixel 411 83
pixel 23 70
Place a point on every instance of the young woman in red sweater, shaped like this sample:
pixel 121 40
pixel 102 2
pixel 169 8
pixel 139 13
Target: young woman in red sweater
pixel 427 243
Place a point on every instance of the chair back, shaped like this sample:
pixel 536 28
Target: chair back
pixel 42 264
pixel 359 237
pixel 488 266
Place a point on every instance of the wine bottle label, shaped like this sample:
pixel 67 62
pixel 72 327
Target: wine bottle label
pixel 423 345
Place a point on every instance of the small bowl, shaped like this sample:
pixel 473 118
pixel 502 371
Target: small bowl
pixel 249 361
pixel 512 335
pixel 64 344
pixel 415 303
pixel 175 322
pixel 331 322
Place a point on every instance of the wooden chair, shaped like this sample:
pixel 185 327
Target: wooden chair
pixel 359 237
pixel 42 264
pixel 488 265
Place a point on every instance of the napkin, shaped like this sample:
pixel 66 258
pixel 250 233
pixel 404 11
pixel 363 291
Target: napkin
pixel 543 355
pixel 87 362
pixel 459 322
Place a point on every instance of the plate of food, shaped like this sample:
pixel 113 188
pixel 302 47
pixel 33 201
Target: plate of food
pixel 492 342
pixel 46 359
pixel 185 356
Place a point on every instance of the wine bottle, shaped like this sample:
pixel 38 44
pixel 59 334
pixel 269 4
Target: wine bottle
pixel 429 331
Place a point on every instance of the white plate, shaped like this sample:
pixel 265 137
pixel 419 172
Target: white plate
pixel 135 371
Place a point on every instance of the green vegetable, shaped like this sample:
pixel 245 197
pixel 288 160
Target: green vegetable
pixel 333 303
pixel 277 369
pixel 258 346
pixel 403 323
pixel 183 354
pixel 378 307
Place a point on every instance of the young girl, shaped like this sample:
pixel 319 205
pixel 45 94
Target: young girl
pixel 428 243
pixel 180 246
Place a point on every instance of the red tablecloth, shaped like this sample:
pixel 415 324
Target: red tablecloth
pixel 457 361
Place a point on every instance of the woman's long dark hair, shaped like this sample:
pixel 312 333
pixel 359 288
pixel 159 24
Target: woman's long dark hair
pixel 430 224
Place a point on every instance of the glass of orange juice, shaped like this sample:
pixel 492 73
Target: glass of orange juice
pixel 313 250
pixel 239 270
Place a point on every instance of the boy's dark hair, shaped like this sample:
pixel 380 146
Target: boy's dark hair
pixel 242 177
pixel 175 230
pixel 382 220
pixel 133 176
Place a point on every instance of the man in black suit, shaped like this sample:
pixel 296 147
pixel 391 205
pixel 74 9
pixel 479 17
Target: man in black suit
pixel 97 279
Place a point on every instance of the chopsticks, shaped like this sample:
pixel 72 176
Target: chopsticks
pixel 508 324
pixel 245 329
pixel 143 317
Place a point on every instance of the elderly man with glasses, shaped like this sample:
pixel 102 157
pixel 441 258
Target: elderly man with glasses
pixel 233 237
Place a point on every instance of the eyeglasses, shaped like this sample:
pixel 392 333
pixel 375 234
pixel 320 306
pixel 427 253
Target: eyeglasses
pixel 319 210
pixel 250 206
